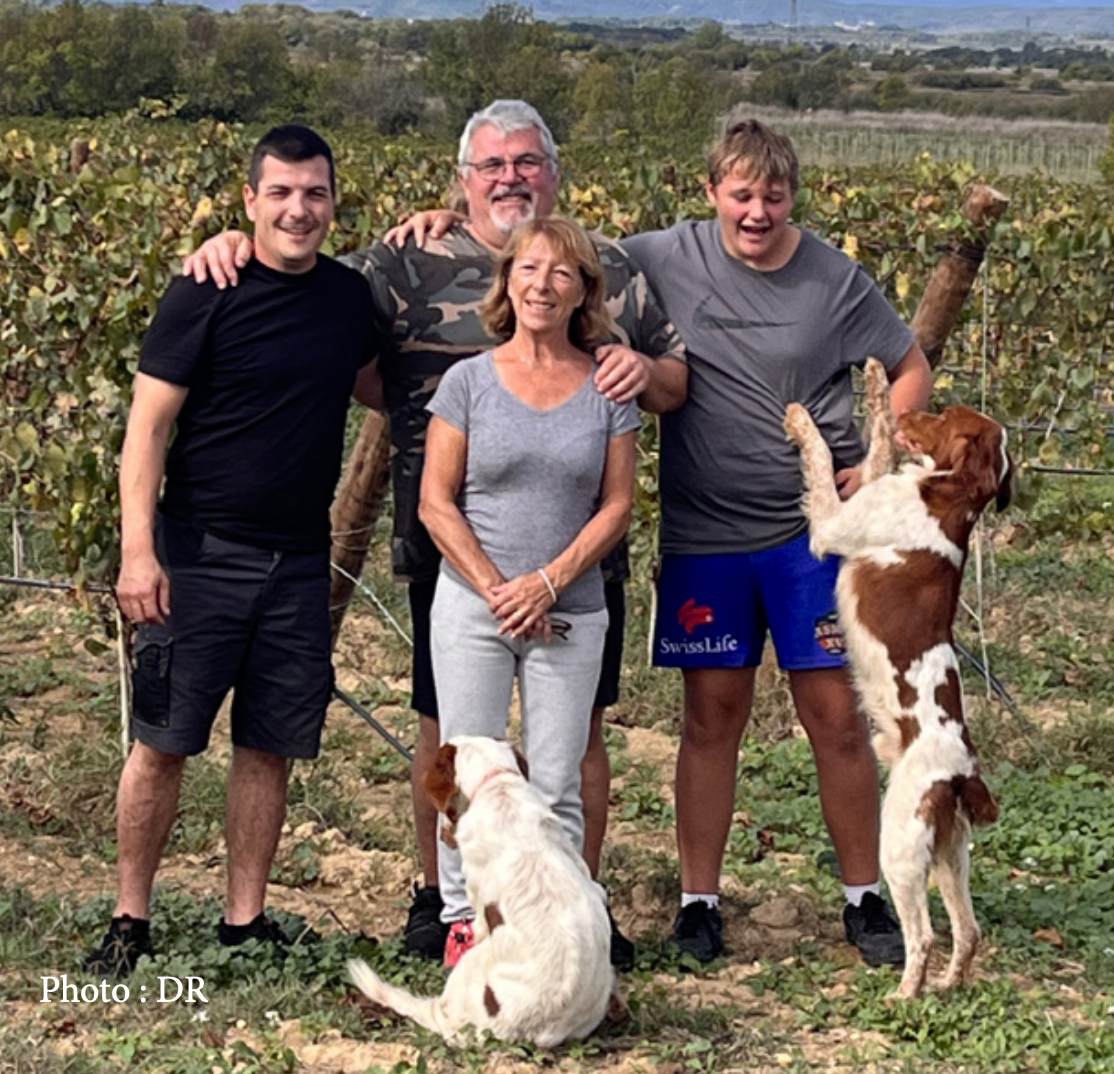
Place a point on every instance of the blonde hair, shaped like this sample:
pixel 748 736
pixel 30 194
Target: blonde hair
pixel 757 151
pixel 591 324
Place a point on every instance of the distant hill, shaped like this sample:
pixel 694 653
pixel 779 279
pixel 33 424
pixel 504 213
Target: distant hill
pixel 946 17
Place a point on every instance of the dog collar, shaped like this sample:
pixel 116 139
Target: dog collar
pixel 490 776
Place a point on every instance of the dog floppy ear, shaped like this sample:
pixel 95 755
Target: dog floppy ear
pixel 981 467
pixel 1005 488
pixel 444 792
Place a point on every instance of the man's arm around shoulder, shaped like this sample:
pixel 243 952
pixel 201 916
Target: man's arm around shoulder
pixel 652 369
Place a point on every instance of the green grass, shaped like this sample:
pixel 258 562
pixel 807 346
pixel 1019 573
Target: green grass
pixel 1042 878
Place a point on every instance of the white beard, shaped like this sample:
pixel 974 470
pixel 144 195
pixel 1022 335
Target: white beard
pixel 507 217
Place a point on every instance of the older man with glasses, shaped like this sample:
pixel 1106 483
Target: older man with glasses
pixel 426 302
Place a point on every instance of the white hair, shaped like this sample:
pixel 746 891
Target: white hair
pixel 507 117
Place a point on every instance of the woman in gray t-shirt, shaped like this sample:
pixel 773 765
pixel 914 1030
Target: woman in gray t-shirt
pixel 528 482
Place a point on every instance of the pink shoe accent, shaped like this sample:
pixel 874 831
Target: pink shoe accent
pixel 461 938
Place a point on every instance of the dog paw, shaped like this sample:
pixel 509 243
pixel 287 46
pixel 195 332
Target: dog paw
pixel 798 424
pixel 953 979
pixel 617 1009
pixel 901 995
pixel 877 385
pixel 906 990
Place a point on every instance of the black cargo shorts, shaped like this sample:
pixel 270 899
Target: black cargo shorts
pixel 245 619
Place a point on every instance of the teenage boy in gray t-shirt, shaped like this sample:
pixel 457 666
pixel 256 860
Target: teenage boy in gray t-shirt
pixel 770 315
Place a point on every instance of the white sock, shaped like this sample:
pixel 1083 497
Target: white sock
pixel 854 893
pixel 687 898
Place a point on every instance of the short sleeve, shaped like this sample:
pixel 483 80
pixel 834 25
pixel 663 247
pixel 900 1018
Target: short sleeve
pixel 178 340
pixel 624 418
pixel 645 250
pixel 656 334
pixel 453 399
pixel 375 266
pixel 638 317
pixel 873 327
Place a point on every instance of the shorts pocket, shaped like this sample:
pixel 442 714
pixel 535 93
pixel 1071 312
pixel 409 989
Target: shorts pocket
pixel 151 679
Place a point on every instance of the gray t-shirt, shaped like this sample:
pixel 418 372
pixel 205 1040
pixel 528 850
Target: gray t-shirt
pixel 730 480
pixel 532 478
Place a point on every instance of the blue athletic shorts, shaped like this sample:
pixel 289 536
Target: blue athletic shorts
pixel 713 611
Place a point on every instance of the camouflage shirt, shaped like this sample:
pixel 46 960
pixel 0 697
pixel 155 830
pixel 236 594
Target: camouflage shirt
pixel 427 307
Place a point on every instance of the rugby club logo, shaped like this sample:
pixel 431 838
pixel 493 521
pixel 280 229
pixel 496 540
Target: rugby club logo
pixel 829 635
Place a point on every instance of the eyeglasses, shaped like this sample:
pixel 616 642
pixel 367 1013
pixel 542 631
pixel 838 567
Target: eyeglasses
pixel 527 165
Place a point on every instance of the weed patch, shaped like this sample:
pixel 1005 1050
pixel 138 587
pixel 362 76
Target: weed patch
pixel 1042 878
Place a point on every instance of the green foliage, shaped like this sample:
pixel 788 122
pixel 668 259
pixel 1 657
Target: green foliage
pixel 1042 882
pixel 251 78
pixel 997 1028
pixel 78 60
pixel 789 83
pixel 86 255
pixel 962 80
pixel 261 62
pixel 640 799
pixel 504 54
pixel 28 678
pixel 1037 330
pixel 777 803
pixel 892 94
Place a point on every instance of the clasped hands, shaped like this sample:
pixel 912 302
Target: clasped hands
pixel 522 607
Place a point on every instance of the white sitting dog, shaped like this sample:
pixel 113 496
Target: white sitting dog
pixel 540 970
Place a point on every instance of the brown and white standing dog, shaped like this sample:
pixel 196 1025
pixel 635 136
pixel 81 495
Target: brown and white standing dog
pixel 540 969
pixel 904 537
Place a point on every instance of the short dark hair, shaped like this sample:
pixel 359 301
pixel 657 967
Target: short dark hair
pixel 291 143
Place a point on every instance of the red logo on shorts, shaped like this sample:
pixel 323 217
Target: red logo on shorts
pixel 691 615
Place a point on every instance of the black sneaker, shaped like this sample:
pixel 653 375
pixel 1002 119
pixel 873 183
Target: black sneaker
pixel 873 929
pixel 622 950
pixel 698 931
pixel 425 933
pixel 125 943
pixel 260 928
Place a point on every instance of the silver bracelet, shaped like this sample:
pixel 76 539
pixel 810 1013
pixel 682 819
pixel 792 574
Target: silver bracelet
pixel 548 584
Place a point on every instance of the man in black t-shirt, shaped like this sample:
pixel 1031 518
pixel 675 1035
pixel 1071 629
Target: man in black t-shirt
pixel 227 577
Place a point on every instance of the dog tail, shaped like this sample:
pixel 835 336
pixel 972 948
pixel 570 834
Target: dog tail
pixel 976 800
pixel 420 1009
pixel 367 980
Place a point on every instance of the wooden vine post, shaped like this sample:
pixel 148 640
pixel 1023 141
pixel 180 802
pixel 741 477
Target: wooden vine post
pixel 955 273
pixel 359 499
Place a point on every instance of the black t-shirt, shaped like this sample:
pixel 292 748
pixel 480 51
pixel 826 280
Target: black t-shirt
pixel 270 366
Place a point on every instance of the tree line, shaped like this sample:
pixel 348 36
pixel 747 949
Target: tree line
pixel 279 61
pixel 603 82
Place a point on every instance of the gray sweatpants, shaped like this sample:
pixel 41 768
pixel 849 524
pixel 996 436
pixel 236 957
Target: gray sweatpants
pixel 474 669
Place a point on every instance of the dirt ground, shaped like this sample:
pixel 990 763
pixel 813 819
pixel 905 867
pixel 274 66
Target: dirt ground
pixel 367 891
